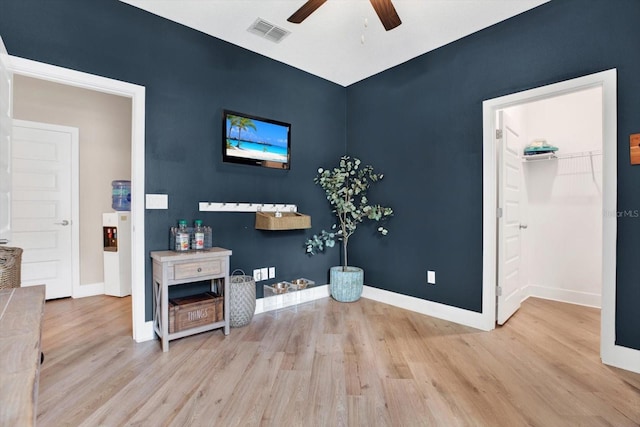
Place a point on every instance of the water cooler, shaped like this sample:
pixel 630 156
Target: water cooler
pixel 116 229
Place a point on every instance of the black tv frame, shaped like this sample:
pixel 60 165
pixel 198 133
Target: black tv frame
pixel 249 159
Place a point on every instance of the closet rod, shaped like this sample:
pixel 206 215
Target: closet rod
pixel 580 154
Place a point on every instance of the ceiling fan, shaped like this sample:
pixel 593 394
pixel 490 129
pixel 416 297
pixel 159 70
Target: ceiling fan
pixel 384 8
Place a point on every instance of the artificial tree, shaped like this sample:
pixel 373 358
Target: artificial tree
pixel 346 188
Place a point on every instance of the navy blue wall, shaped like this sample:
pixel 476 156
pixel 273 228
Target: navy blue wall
pixel 421 124
pixel 189 78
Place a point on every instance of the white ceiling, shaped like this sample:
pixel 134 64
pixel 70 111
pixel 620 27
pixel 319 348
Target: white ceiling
pixel 334 42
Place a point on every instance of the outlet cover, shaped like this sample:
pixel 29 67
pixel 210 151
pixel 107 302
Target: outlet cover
pixel 431 277
pixel 256 274
pixel 264 273
pixel 272 272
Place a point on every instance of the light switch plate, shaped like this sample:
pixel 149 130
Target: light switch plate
pixel 431 277
pixel 157 201
pixel 264 273
pixel 272 272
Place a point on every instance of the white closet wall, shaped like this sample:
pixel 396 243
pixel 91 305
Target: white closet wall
pixel 562 245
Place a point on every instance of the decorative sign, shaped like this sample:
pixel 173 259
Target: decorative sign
pixel 634 148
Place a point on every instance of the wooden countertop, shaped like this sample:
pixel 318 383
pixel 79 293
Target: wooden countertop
pixel 21 311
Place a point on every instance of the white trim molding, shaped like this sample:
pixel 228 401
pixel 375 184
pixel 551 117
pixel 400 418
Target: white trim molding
pixel 429 308
pixel 587 299
pixel 441 311
pixel 88 290
pixel 620 357
pixel 136 93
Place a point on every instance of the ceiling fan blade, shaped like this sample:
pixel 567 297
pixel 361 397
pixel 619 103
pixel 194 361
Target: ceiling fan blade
pixel 305 10
pixel 387 13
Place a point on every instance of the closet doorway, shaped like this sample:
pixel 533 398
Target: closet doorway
pixel 610 353
pixel 550 230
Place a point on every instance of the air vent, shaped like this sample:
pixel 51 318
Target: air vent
pixel 268 30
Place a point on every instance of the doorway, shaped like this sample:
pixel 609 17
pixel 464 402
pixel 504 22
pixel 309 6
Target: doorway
pixel 550 233
pixel 104 155
pixel 610 353
pixel 142 329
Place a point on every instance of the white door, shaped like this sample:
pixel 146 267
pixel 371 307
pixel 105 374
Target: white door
pixel 509 292
pixel 41 211
pixel 5 145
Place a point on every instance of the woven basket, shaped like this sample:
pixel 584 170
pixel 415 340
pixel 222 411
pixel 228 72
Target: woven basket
pixel 10 263
pixel 242 299
pixel 286 221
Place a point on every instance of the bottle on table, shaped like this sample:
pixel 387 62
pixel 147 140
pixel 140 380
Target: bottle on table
pixel 198 235
pixel 182 236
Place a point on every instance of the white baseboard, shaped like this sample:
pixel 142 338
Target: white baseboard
pixel 621 357
pixel 89 290
pixel 147 333
pixel 563 295
pixel 430 308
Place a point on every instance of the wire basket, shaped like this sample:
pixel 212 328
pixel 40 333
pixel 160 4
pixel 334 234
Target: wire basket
pixel 10 263
pixel 242 299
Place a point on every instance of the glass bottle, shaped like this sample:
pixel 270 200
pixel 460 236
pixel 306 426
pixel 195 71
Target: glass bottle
pixel 198 235
pixel 182 236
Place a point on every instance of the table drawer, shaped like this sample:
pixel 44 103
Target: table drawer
pixel 198 269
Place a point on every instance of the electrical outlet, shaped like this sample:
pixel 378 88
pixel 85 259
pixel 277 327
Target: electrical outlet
pixel 431 277
pixel 272 272
pixel 264 273
pixel 256 275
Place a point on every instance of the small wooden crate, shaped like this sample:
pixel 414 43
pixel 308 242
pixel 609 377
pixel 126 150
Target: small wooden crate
pixel 195 310
pixel 287 221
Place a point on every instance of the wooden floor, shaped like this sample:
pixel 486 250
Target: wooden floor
pixel 333 364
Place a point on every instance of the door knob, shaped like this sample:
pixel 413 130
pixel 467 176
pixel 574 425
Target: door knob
pixel 523 226
pixel 64 222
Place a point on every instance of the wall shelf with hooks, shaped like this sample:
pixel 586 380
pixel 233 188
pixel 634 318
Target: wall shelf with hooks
pixel 246 207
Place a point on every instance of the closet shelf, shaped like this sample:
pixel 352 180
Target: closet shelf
pixel 550 156
pixel 535 157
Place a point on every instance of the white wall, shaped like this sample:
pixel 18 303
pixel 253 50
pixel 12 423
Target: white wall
pixel 105 151
pixel 563 241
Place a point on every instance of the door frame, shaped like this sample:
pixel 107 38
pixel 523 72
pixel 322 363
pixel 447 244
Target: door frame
pixel 75 193
pixel 610 353
pixel 142 330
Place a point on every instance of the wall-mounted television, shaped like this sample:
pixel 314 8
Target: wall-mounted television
pixel 253 140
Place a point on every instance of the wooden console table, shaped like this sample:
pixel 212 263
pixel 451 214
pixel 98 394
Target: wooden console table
pixel 176 268
pixel 21 311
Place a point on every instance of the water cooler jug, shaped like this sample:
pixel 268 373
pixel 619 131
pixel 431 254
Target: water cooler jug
pixel 116 229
